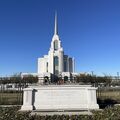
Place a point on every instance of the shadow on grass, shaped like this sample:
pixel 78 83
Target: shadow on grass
pixel 106 102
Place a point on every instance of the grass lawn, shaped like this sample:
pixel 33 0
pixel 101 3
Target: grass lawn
pixel 109 94
pixel 10 98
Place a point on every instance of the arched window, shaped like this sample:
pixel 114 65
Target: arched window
pixel 55 45
pixel 46 79
pixel 56 65
pixel 65 78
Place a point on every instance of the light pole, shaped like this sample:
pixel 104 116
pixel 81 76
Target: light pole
pixel 92 73
pixel 118 75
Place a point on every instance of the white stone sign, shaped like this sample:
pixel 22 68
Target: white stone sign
pixel 60 97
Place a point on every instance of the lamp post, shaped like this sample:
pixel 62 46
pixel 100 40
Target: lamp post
pixel 118 75
pixel 92 73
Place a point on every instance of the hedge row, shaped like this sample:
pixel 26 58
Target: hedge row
pixel 12 113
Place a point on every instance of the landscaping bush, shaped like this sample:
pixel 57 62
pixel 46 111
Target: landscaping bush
pixel 109 113
pixel 12 113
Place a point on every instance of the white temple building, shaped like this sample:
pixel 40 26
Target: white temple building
pixel 56 63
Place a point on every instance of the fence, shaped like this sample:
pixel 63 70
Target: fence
pixel 11 96
pixel 11 91
pixel 108 96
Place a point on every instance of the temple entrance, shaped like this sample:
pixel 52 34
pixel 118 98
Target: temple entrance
pixel 65 78
pixel 46 79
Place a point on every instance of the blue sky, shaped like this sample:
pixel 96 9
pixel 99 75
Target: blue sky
pixel 89 31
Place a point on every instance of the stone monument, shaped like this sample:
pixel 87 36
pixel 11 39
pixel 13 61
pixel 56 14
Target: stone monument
pixel 60 98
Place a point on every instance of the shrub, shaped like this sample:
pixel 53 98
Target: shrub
pixel 12 113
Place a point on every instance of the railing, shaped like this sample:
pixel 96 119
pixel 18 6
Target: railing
pixel 11 91
pixel 108 96
pixel 11 97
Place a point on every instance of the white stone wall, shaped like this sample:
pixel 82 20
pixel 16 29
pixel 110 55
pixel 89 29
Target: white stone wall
pixel 41 65
pixel 62 97
pixel 50 62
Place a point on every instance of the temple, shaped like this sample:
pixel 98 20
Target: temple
pixel 56 63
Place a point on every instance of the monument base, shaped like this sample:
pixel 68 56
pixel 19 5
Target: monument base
pixel 27 108
pixel 60 98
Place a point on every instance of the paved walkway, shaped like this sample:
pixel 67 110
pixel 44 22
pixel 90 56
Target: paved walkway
pixel 43 113
pixel 10 105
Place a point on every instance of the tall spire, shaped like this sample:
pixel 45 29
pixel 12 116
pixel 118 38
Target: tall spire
pixel 56 26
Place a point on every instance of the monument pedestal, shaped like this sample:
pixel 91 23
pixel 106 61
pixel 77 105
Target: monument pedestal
pixel 27 99
pixel 60 98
